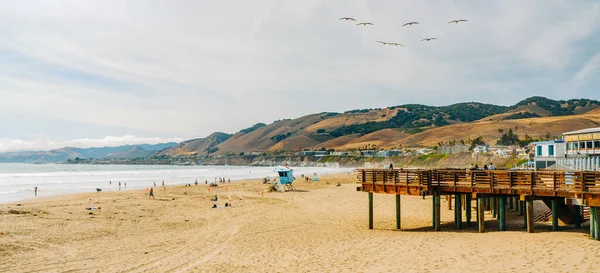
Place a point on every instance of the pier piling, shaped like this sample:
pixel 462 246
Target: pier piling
pixel 577 216
pixel 457 211
pixel 398 213
pixel 554 214
pixel 437 210
pixel 468 208
pixel 370 210
pixel 480 214
pixel 530 223
pixel 502 212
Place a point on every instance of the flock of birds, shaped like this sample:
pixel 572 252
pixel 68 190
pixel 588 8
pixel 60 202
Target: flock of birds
pixel 426 39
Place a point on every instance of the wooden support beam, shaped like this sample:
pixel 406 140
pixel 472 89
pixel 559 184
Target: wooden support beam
pixel 437 210
pixel 370 210
pixel 521 208
pixel 480 214
pixel 398 224
pixel 530 223
pixel 597 223
pixel 494 207
pixel 449 199
pixel 577 216
pixel 457 211
pixel 468 208
pixel 502 212
pixel 433 211
pixel 592 222
pixel 554 214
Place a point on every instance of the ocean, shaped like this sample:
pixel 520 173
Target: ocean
pixel 17 181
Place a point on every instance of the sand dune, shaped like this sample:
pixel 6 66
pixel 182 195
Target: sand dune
pixel 322 228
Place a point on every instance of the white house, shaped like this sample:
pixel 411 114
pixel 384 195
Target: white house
pixel 548 152
pixel 480 149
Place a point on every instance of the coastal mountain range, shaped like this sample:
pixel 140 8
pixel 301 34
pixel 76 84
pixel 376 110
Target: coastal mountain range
pixel 69 153
pixel 410 125
pixel 402 126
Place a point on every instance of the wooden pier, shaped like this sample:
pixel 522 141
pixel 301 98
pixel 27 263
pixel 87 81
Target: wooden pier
pixel 566 193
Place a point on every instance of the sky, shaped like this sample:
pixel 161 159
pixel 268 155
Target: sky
pixel 112 72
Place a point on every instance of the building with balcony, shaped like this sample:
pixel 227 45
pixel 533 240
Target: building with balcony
pixel 547 153
pixel 584 142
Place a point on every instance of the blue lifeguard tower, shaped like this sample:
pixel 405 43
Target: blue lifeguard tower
pixel 285 180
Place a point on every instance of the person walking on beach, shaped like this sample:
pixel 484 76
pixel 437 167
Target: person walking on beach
pixel 151 193
pixel 163 183
pixel 35 191
pixel 125 185
pixel 119 185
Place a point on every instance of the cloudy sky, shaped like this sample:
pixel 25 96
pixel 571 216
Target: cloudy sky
pixel 93 73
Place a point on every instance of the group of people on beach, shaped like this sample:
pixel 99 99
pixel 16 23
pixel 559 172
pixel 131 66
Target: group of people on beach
pixel 485 167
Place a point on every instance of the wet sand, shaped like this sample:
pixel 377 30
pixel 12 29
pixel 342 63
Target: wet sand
pixel 320 228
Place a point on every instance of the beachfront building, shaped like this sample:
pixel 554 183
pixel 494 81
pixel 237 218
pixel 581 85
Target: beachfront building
pixel 582 150
pixel 456 149
pixel 480 149
pixel 547 153
pixel 388 153
pixel 368 153
pixel 312 153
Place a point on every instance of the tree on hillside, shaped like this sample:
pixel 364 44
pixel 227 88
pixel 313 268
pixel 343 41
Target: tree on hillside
pixel 509 138
pixel 475 142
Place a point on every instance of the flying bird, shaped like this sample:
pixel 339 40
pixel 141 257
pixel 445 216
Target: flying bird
pixel 429 39
pixel 383 43
pixel 364 24
pixel 457 21
pixel 348 19
pixel 410 24
pixel 396 44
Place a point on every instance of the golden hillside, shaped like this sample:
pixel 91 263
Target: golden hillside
pixel 408 125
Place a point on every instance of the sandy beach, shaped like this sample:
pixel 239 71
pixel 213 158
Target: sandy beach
pixel 320 228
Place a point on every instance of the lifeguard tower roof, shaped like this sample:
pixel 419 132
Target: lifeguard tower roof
pixel 283 169
pixel 285 175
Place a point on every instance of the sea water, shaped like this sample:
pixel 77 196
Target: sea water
pixel 17 181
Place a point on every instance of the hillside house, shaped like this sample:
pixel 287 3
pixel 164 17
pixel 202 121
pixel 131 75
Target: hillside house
pixel 312 153
pixel 480 149
pixel 388 153
pixel 368 153
pixel 456 149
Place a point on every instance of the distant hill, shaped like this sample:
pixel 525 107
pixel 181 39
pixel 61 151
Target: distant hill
pixel 197 146
pixel 64 154
pixel 401 126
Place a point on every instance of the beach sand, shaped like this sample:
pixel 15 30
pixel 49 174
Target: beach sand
pixel 321 228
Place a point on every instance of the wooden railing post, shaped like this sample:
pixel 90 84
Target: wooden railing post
pixel 374 179
pixel 554 184
pixel 532 180
pixel 491 175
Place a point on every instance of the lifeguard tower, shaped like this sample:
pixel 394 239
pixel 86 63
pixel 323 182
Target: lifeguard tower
pixel 285 180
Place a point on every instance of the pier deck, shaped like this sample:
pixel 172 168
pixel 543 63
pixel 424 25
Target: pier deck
pixel 559 188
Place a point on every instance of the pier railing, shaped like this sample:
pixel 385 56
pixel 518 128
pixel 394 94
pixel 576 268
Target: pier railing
pixel 578 184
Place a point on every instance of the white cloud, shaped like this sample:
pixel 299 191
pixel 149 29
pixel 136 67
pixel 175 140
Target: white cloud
pixel 587 71
pixel 41 144
pixel 194 67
